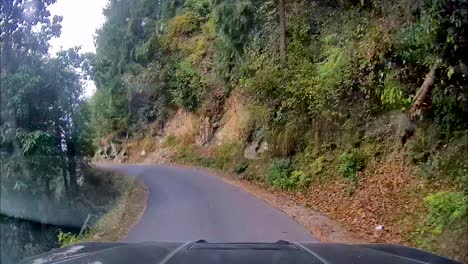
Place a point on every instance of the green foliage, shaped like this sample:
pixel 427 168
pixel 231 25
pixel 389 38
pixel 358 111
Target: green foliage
pixel 201 7
pixel 67 239
pixel 439 158
pixel 233 22
pixel 188 88
pixel 414 44
pixel 181 26
pixel 351 162
pixel 446 217
pixel 393 96
pixel 444 208
pixel 280 175
pixel 42 127
pixel 228 153
pixel 317 166
pixel 170 142
pixel 261 75
pixel 299 179
pixel 312 161
pixel 187 154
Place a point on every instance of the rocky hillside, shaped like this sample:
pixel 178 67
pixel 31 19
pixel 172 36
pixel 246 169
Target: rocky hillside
pixel 355 108
pixel 386 202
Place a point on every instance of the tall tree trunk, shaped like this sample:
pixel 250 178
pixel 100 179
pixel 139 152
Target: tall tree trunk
pixel 282 31
pixel 65 177
pixel 72 171
pixel 5 63
pixel 423 93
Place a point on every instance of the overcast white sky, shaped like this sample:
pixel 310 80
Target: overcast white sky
pixel 81 19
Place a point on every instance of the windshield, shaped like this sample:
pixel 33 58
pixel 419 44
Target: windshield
pixel 234 121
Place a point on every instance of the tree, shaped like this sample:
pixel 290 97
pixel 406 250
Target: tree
pixel 282 31
pixel 40 104
pixel 18 37
pixel 234 20
pixel 444 23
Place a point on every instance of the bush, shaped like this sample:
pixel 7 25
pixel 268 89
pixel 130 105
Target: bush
pixel 67 239
pixel 170 141
pixel 278 172
pixel 189 87
pixel 350 163
pixel 445 223
pixel 393 96
pixel 279 176
pixel 444 209
pixel 439 158
pixel 181 26
pixel 228 152
pixel 200 7
pixel 299 179
pixel 312 163
pixel 186 154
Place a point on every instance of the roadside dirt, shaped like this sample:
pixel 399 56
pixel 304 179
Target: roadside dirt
pixel 115 225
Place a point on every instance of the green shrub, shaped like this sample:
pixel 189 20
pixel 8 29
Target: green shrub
pixel 180 26
pixel 228 152
pixel 299 179
pixel 170 141
pixel 312 163
pixel 393 96
pixel 67 239
pixel 187 154
pixel 444 208
pixel 439 158
pixel 278 172
pixel 279 176
pixel 350 163
pixel 207 162
pixel 317 166
pixel 200 7
pixel 188 88
pixel 446 218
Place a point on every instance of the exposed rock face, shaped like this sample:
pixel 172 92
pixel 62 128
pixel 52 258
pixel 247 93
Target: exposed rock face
pixel 256 146
pixel 108 151
pixel 205 133
pixel 122 157
pixel 254 150
pixel 233 125
pixel 395 125
pixel 230 125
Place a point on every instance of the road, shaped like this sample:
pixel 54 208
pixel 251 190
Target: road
pixel 189 204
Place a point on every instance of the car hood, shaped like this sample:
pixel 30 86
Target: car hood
pixel 227 253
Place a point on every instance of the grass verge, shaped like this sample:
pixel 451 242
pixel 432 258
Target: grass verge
pixel 117 222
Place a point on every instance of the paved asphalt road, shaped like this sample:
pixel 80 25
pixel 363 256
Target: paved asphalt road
pixel 189 204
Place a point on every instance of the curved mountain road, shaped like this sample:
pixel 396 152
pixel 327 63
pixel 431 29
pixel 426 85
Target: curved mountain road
pixel 189 204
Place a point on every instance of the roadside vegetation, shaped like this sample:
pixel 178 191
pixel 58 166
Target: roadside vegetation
pixel 46 137
pixel 123 211
pixel 356 108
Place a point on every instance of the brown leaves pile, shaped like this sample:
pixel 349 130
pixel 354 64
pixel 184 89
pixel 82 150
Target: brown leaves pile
pixel 386 194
